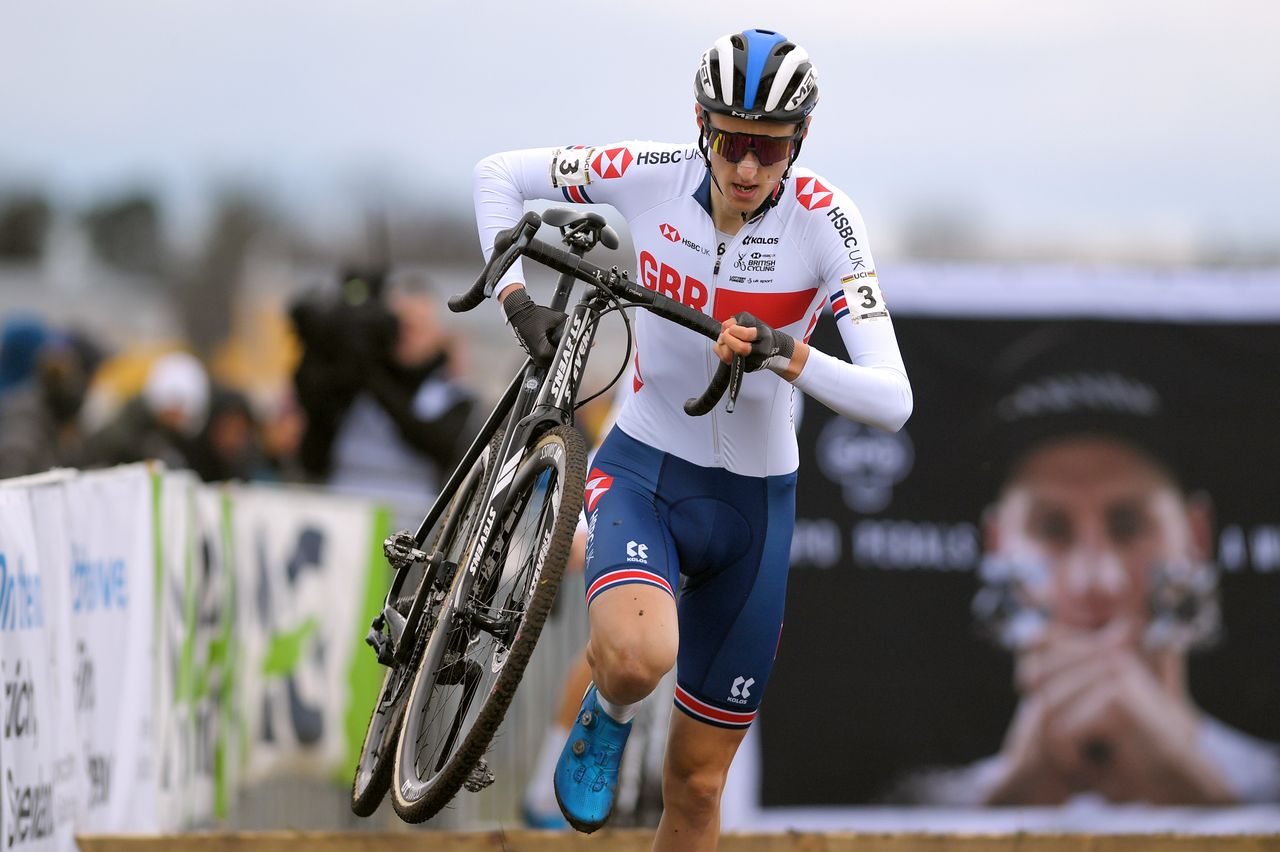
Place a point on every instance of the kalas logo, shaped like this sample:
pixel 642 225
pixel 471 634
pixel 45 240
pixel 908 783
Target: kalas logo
pixel 612 162
pixel 670 232
pixel 812 194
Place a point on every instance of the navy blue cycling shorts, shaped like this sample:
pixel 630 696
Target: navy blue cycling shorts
pixel 653 519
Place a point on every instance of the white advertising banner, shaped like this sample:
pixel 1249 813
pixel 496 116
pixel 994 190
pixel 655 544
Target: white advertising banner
pixel 49 515
pixel 28 750
pixel 111 531
pixel 215 652
pixel 303 574
pixel 194 599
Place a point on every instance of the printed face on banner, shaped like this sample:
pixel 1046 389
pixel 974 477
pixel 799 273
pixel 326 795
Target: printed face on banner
pixel 1066 523
pixel 1102 519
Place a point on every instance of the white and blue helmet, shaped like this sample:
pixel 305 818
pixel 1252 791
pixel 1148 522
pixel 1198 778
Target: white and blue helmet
pixel 757 74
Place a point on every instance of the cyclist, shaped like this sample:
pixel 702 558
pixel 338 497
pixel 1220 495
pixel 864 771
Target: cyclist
pixel 733 228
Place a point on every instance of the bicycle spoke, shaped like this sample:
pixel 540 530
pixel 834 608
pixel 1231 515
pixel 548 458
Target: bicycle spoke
pixel 452 706
pixel 483 643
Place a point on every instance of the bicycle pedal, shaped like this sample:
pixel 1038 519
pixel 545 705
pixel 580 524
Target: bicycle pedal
pixel 381 643
pixel 479 778
pixel 401 549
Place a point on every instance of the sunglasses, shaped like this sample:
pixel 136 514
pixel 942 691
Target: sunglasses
pixel 734 146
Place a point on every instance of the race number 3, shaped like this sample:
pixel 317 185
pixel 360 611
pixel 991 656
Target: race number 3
pixel 862 295
pixel 569 167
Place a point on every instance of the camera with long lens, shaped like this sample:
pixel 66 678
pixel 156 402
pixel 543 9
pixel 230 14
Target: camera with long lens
pixel 353 321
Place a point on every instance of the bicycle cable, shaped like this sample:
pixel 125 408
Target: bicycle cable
pixel 620 308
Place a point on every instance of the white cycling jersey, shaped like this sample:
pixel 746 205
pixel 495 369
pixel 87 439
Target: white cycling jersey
pixel 782 266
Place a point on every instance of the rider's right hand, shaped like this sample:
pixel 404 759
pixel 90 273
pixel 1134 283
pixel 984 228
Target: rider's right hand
pixel 536 327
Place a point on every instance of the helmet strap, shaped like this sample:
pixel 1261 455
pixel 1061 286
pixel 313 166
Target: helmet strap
pixel 703 149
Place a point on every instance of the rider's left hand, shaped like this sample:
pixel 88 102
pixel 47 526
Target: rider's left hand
pixel 758 343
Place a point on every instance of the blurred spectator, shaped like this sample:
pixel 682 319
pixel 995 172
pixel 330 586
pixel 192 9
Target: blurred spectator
pixel 1099 577
pixel 228 447
pixel 20 343
pixel 386 415
pixel 162 422
pixel 282 430
pixel 39 426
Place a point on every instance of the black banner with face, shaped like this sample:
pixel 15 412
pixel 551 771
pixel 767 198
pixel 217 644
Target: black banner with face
pixel 1061 578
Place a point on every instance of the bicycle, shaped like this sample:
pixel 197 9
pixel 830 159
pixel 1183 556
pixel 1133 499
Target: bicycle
pixel 464 612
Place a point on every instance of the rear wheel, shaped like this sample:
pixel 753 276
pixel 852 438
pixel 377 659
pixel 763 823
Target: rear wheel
pixel 377 754
pixel 487 631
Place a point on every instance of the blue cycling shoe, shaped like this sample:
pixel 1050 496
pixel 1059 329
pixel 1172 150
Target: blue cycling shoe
pixel 586 776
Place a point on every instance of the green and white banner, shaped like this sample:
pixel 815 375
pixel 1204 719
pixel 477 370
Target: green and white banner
pixel 163 641
pixel 310 575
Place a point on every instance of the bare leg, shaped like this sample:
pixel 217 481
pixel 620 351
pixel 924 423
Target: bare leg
pixel 634 639
pixel 693 778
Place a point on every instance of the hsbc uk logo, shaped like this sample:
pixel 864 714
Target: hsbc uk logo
pixel 672 233
pixel 612 162
pixel 637 552
pixel 812 194
pixel 741 689
pixel 659 158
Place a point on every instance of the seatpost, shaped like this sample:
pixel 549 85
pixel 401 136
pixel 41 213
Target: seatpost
pixel 581 240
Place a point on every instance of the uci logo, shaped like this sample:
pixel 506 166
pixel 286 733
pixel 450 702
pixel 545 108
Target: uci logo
pixel 866 462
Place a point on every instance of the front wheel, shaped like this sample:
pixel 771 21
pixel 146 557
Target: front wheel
pixel 448 538
pixel 487 631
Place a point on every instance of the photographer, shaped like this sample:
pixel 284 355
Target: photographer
pixel 385 414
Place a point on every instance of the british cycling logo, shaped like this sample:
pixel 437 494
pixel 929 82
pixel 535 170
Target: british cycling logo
pixel 612 163
pixel 864 461
pixel 30 810
pixel 811 194
pixel 755 261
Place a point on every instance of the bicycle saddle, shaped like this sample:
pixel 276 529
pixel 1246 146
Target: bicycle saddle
pixel 581 224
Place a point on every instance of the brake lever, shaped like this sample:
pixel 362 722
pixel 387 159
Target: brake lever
pixel 736 371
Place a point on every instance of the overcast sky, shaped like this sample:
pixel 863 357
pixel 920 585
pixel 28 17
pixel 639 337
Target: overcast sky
pixel 1092 120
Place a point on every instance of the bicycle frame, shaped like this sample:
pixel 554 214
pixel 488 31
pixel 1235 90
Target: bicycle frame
pixel 556 390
